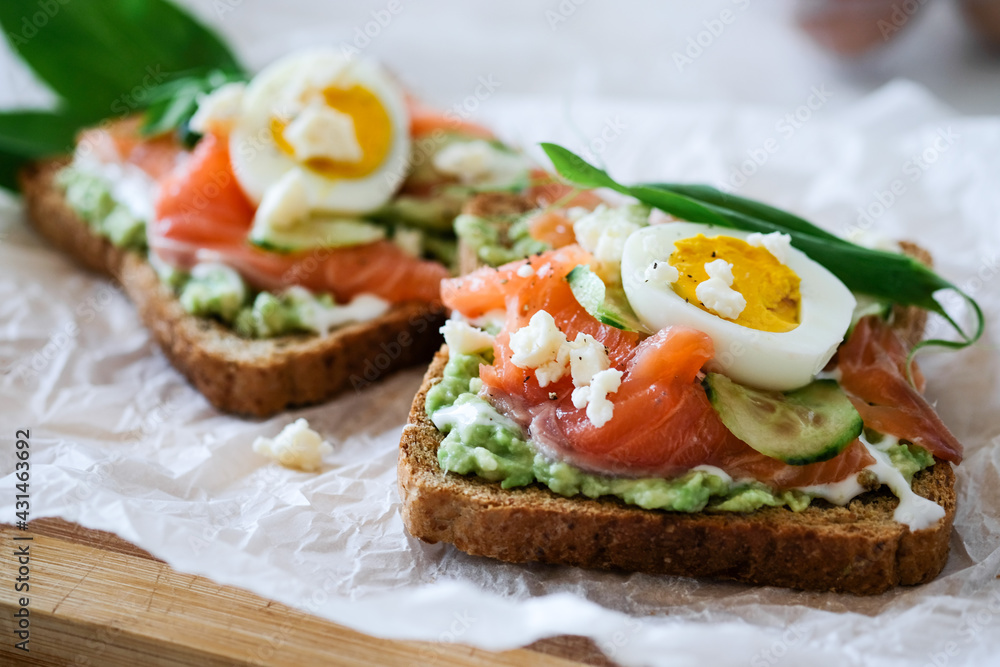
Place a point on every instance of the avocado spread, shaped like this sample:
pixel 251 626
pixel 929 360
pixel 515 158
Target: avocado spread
pixel 278 315
pixel 90 197
pixel 213 290
pixel 496 243
pixel 479 440
pixel 909 459
pixel 217 291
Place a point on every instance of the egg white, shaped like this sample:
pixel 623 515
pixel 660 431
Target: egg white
pixel 276 92
pixel 763 359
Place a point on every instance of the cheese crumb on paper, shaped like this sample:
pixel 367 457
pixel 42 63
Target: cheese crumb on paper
pixel 297 446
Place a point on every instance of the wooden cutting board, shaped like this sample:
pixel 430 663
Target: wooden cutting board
pixel 98 600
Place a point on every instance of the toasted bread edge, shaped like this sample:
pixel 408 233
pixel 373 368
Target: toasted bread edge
pixel 856 549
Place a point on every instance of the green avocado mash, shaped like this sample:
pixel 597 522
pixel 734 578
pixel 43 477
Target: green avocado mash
pixel 278 315
pixel 479 440
pixel 218 292
pixel 213 291
pixel 909 459
pixel 494 244
pixel 90 197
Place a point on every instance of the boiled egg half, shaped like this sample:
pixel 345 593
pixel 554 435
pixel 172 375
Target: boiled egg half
pixel 776 317
pixel 332 129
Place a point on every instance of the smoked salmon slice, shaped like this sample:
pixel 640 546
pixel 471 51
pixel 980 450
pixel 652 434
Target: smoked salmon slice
pixel 487 289
pixel 203 203
pixel 552 227
pixel 872 366
pixel 204 216
pixel 120 142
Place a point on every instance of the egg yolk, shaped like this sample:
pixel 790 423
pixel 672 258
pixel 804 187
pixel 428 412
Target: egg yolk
pixel 770 288
pixel 372 128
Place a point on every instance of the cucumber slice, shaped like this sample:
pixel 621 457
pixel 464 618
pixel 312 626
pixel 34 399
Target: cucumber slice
pixel 608 304
pixel 435 214
pixel 808 425
pixel 317 233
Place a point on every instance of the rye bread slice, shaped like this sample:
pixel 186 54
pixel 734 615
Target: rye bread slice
pixel 856 549
pixel 255 378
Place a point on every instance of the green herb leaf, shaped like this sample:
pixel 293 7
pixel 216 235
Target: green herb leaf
pixel 37 133
pixel 25 135
pixel 103 61
pixel 10 165
pixel 886 275
pixel 172 104
pixel 756 209
pixel 579 172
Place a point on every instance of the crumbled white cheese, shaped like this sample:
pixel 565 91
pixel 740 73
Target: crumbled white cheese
pixel 410 240
pixel 717 293
pixel 593 378
pixel 721 270
pixel 481 163
pixel 603 233
pixel 545 270
pixel 321 132
pixel 776 243
pixel 542 346
pixel 463 338
pixel 594 396
pixel 219 109
pixel 661 272
pixel 525 270
pixel 297 446
pixel 285 203
pixel 587 358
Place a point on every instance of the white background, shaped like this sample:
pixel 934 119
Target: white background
pixel 620 48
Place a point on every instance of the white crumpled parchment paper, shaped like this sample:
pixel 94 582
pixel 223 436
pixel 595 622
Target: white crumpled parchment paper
pixel 121 443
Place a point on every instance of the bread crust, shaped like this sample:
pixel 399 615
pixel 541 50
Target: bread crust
pixel 255 378
pixel 856 549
